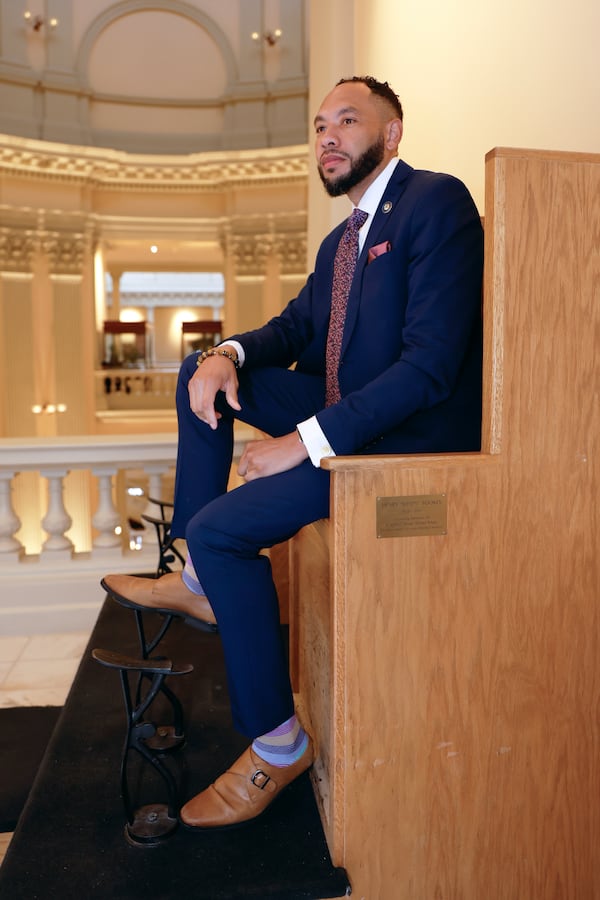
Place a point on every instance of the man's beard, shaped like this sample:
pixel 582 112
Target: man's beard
pixel 359 170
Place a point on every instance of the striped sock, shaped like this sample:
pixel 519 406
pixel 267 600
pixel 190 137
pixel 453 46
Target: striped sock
pixel 284 745
pixel 190 579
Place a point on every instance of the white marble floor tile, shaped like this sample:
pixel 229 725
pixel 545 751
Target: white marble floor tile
pixel 55 696
pixel 56 646
pixel 36 673
pixel 5 668
pixel 11 648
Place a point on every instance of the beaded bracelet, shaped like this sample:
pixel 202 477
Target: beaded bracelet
pixel 216 351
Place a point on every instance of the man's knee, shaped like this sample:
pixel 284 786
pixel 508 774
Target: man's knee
pixel 204 536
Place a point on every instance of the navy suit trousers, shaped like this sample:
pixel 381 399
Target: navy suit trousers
pixel 227 530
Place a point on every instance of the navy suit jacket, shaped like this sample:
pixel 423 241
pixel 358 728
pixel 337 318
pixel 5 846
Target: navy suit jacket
pixel 410 369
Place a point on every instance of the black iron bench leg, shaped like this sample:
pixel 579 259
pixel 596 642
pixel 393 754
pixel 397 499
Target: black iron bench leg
pixel 151 823
pixel 166 737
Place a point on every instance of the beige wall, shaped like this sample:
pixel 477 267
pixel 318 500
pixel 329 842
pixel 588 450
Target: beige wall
pixel 472 75
pixel 331 58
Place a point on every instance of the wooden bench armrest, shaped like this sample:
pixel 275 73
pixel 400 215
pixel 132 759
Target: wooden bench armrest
pixel 404 461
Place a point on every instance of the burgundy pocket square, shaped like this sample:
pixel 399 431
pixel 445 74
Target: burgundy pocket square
pixel 378 250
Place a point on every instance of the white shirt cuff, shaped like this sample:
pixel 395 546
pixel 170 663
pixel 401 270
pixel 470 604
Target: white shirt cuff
pixel 317 445
pixel 238 349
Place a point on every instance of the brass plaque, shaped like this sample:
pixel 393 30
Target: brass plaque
pixel 411 516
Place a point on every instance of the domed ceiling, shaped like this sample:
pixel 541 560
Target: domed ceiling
pixel 155 77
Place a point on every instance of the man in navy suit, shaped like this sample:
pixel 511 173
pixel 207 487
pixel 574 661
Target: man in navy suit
pixel 408 380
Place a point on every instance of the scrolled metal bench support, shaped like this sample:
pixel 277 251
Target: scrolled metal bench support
pixel 151 823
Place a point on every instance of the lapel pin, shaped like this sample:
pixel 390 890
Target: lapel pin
pixel 387 206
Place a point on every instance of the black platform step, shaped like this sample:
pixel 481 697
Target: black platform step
pixel 70 839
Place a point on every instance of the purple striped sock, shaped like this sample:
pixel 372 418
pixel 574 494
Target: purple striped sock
pixel 284 745
pixel 190 579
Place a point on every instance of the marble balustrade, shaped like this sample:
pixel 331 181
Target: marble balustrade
pixel 76 507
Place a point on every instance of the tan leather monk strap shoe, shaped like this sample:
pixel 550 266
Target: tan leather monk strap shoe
pixel 243 792
pixel 167 595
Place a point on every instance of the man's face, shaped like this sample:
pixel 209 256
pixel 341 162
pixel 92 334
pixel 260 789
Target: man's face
pixel 350 143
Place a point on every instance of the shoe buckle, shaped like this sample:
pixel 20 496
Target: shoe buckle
pixel 260 779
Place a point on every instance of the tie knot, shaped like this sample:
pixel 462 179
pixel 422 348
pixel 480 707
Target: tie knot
pixel 357 219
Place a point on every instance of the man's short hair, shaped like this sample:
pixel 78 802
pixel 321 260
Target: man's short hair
pixel 380 88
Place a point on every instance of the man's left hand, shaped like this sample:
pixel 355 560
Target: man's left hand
pixel 271 456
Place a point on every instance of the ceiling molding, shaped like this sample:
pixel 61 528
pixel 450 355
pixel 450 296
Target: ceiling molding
pixel 118 170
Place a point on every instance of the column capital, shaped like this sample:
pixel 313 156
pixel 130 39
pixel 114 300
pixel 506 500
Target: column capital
pixel 17 246
pixel 65 251
pixel 249 252
pixel 291 252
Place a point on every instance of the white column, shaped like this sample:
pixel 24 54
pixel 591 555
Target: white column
pixel 9 521
pixel 154 473
pixel 57 520
pixel 106 518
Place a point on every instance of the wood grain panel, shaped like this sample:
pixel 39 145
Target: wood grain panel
pixel 462 755
pixel 484 725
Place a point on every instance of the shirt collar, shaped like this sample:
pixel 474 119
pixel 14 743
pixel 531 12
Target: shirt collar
pixel 371 198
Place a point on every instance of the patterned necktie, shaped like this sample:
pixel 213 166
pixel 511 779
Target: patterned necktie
pixel 344 265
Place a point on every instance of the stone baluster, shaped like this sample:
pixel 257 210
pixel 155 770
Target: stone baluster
pixel 106 518
pixel 155 473
pixel 9 521
pixel 57 521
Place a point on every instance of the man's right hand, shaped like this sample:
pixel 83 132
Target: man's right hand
pixel 216 373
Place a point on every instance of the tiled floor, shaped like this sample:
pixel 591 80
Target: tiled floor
pixel 38 671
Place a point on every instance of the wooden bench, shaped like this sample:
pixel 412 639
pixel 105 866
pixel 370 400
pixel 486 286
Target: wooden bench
pixel 452 680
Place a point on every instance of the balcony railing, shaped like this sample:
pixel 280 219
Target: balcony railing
pixel 66 519
pixel 135 389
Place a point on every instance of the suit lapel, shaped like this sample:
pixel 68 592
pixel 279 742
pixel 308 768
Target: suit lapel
pixel 385 211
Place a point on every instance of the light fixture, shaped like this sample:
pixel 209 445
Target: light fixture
pixel 38 22
pixel 48 408
pixel 153 249
pixel 269 37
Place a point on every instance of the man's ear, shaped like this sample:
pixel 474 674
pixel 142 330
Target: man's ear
pixel 393 134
